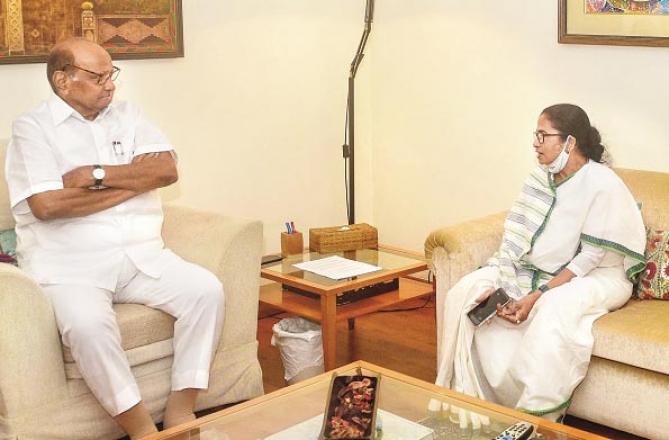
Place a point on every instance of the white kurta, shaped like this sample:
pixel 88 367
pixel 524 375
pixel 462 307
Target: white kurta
pixel 54 139
pixel 85 264
pixel 535 366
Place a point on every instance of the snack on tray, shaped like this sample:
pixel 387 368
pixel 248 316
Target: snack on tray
pixel 351 410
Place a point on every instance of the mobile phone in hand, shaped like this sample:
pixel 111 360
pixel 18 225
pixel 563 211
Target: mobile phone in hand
pixel 486 309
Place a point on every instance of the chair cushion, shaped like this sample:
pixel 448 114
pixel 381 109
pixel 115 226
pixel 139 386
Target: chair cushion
pixel 637 334
pixel 144 360
pixel 654 281
pixel 140 326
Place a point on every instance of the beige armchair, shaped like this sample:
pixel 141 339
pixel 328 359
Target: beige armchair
pixel 42 395
pixel 627 385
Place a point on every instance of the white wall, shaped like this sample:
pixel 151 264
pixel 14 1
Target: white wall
pixel 447 98
pixel 457 87
pixel 255 109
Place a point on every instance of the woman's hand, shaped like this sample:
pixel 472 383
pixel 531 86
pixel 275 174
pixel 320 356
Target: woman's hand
pixel 517 312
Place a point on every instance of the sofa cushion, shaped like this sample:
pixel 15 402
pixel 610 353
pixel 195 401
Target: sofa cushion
pixel 637 334
pixel 649 188
pixel 140 325
pixel 654 281
pixel 144 360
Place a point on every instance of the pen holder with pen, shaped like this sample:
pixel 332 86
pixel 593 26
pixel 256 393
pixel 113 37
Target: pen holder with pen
pixel 291 244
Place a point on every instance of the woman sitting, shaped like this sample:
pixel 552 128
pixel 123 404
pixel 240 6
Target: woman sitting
pixel 573 242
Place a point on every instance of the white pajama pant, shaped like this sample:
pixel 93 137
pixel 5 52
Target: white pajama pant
pixel 87 323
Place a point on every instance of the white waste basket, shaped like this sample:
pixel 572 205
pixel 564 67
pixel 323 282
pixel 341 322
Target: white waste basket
pixel 300 343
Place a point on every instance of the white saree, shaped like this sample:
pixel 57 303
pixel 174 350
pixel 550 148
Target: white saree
pixel 535 366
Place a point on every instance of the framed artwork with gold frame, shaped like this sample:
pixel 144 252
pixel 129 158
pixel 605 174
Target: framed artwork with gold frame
pixel 614 22
pixel 127 29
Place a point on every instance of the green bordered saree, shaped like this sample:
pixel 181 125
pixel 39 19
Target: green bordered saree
pixel 597 209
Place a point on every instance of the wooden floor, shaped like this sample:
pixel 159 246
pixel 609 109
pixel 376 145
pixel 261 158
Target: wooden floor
pixel 404 341
pixel 380 338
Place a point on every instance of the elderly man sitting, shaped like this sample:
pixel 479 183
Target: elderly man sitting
pixel 82 174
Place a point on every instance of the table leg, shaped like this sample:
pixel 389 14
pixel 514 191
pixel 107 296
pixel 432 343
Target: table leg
pixel 351 324
pixel 329 330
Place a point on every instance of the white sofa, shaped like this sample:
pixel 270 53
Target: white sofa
pixel 42 395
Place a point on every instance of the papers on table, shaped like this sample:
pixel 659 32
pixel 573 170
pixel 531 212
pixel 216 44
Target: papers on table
pixel 337 268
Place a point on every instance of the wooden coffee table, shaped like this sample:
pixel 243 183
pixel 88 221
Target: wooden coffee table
pixel 404 397
pixel 324 309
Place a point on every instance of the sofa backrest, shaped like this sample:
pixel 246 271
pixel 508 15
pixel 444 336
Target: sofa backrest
pixel 651 189
pixel 6 219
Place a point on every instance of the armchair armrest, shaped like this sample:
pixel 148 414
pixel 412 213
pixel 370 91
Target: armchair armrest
pixel 31 364
pixel 231 249
pixel 456 250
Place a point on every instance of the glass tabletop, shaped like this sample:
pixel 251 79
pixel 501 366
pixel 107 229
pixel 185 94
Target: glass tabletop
pixel 408 409
pixel 386 260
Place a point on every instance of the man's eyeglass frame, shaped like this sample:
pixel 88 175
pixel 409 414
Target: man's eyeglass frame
pixel 101 77
pixel 540 135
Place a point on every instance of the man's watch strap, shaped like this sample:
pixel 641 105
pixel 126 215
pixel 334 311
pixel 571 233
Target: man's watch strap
pixel 543 288
pixel 98 175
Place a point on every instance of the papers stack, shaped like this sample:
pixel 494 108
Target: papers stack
pixel 337 268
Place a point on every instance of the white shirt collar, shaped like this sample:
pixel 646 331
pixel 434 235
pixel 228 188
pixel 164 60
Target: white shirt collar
pixel 61 110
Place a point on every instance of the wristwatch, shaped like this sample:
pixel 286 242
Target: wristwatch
pixel 543 288
pixel 98 175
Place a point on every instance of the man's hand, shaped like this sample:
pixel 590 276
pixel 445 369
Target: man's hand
pixel 517 312
pixel 141 157
pixel 145 172
pixel 80 177
pixel 75 202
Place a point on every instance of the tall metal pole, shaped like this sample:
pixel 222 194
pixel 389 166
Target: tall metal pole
pixel 349 148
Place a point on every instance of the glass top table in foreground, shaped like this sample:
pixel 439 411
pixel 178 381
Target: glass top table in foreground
pixel 295 412
pixel 322 306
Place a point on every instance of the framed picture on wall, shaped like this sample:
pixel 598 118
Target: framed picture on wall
pixel 126 28
pixel 614 22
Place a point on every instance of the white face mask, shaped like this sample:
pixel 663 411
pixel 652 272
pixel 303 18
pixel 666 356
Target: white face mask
pixel 561 160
